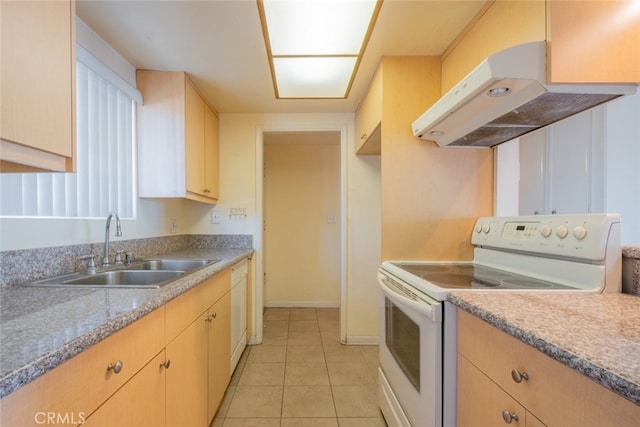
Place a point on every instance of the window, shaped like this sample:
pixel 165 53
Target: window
pixel 105 178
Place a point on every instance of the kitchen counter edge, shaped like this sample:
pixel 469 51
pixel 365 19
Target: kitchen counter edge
pixel 15 378
pixel 617 377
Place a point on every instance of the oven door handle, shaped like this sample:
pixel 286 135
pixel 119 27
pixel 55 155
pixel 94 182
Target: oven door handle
pixel 432 310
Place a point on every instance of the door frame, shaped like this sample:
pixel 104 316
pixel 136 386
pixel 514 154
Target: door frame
pixel 258 295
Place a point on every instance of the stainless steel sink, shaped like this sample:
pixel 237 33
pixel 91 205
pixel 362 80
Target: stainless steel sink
pixel 127 278
pixel 171 264
pixel 145 274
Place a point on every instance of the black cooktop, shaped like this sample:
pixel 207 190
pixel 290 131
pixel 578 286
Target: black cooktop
pixel 468 276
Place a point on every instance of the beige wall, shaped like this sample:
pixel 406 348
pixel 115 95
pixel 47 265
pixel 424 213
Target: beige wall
pixel 505 23
pixel 302 227
pixel 240 149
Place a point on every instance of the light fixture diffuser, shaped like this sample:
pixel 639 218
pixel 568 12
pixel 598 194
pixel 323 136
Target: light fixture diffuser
pixel 315 46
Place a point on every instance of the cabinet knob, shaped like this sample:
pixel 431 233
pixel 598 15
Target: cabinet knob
pixel 210 317
pixel 165 364
pixel 115 367
pixel 206 190
pixel 363 137
pixel 508 417
pixel 519 376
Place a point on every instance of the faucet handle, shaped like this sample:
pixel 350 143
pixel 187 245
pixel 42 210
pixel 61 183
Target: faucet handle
pixel 118 258
pixel 129 258
pixel 91 264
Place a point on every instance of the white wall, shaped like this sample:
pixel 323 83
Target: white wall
pixel 622 164
pixel 153 219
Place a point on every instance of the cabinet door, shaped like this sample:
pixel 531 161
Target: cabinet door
pixel 186 379
pixel 571 142
pixel 194 139
pixel 38 83
pixel 211 186
pixel 369 117
pixel 593 41
pixel 219 366
pixel 481 402
pixel 532 168
pixel 140 402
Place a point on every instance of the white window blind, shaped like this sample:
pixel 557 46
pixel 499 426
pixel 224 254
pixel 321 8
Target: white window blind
pixel 104 181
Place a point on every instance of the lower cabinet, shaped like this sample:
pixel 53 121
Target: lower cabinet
pixel 500 378
pixel 170 368
pixel 186 376
pixel 218 353
pixel 140 402
pixel 483 403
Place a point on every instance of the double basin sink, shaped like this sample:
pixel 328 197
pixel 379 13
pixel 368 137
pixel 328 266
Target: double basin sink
pixel 144 274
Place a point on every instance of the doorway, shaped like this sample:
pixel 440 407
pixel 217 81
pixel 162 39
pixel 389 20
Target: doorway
pixel 301 199
pixel 300 268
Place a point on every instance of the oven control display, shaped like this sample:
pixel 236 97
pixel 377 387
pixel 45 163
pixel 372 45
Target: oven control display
pixel 520 230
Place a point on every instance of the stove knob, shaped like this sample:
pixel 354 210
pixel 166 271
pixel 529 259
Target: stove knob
pixel 486 228
pixel 562 231
pixel 478 228
pixel 546 230
pixel 580 232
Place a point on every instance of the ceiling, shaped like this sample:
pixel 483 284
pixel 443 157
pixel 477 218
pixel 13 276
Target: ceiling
pixel 219 43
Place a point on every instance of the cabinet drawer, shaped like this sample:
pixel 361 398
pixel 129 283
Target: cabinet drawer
pixel 183 310
pixel 482 403
pixel 239 271
pixel 78 386
pixel 555 393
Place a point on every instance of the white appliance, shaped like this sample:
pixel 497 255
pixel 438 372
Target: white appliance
pixel 239 274
pixel 506 96
pixel 418 350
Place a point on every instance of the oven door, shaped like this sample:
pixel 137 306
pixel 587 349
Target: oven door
pixel 410 355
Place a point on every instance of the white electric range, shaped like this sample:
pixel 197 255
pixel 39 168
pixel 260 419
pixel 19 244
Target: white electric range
pixel 418 349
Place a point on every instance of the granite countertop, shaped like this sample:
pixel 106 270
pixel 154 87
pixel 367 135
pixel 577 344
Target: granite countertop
pixel 40 328
pixel 598 335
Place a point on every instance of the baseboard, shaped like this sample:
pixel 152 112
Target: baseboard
pixel 302 304
pixel 362 340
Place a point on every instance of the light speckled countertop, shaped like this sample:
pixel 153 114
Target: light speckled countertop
pixel 40 328
pixel 598 335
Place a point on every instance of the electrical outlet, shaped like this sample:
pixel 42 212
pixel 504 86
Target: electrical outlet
pixel 173 228
pixel 215 217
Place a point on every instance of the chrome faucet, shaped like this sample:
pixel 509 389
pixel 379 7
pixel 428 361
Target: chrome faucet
pixel 105 259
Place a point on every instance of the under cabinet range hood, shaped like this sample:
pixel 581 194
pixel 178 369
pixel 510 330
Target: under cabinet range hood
pixel 507 96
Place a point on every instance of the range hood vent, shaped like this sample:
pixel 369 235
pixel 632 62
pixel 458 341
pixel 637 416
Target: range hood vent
pixel 506 96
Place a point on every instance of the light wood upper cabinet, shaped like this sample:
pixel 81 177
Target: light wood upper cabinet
pixel 211 156
pixel 37 87
pixel 593 41
pixel 177 139
pixel 369 118
pixel 501 24
pixel 553 394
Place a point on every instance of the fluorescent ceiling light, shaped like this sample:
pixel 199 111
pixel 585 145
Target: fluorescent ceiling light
pixel 315 46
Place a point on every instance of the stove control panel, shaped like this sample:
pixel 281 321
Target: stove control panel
pixel 585 236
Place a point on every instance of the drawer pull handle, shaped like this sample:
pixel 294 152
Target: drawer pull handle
pixel 519 376
pixel 165 363
pixel 116 368
pixel 508 417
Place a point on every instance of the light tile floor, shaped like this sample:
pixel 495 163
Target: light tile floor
pixel 301 376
